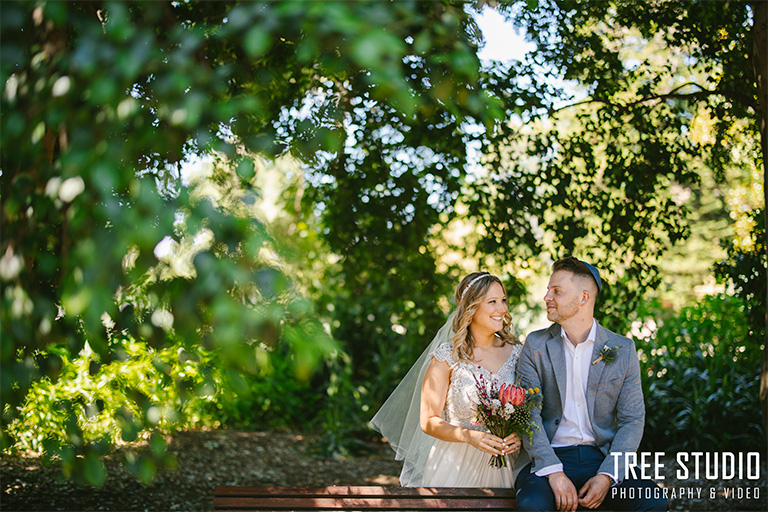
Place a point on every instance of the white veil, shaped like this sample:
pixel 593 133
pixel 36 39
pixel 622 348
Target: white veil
pixel 398 418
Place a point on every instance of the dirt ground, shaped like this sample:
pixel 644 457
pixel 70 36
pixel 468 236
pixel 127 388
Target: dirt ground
pixel 226 457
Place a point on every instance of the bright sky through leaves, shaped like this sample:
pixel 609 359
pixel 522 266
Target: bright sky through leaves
pixel 502 41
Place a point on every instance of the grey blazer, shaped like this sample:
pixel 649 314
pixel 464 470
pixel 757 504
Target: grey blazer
pixel 614 397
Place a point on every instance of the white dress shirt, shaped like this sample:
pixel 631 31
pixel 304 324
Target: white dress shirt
pixel 575 427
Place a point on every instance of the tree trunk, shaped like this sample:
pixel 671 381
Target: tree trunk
pixel 760 53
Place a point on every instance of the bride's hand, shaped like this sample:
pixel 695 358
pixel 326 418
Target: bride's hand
pixel 488 443
pixel 513 442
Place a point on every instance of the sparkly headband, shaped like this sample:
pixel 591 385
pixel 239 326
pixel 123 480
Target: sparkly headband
pixel 473 282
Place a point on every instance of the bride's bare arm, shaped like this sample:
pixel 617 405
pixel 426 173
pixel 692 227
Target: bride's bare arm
pixel 433 393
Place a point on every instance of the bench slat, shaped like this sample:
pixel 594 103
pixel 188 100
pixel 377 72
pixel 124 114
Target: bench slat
pixel 231 490
pixel 425 507
pixel 357 504
pixel 335 498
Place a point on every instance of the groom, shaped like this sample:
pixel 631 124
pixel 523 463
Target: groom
pixel 593 405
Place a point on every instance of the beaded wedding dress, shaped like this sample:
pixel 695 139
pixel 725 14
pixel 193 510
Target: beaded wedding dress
pixel 451 464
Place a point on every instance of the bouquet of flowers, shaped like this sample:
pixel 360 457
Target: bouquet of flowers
pixel 505 409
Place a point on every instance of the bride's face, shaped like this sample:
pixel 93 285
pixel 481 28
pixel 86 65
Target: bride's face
pixel 491 310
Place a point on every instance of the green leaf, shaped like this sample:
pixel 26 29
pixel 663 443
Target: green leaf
pixel 376 48
pixel 246 169
pixel 95 472
pixel 257 42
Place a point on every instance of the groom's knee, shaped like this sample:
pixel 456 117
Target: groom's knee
pixel 533 493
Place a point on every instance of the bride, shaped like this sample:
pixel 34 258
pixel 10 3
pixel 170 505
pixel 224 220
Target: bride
pixel 430 418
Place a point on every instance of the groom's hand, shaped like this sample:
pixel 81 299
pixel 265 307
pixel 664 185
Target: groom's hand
pixel 566 498
pixel 594 491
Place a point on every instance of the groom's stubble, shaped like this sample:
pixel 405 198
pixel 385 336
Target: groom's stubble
pixel 563 311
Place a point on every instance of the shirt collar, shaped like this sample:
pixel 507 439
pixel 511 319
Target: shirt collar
pixel 590 337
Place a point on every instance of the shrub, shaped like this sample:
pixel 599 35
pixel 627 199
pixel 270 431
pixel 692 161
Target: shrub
pixel 90 403
pixel 272 399
pixel 700 377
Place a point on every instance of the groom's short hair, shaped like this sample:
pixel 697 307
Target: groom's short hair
pixel 577 267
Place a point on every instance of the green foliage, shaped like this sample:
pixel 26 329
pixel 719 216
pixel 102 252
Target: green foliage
pixel 629 106
pixel 273 399
pixel 139 394
pixel 745 269
pixel 342 422
pixel 381 313
pixel 700 377
pixel 105 105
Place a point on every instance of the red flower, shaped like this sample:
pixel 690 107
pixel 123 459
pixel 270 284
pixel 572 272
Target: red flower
pixel 503 396
pixel 516 395
pixel 509 394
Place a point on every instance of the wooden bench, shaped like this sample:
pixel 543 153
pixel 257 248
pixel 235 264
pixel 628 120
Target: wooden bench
pixel 335 498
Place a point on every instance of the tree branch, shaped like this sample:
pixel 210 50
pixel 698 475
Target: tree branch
pixel 702 94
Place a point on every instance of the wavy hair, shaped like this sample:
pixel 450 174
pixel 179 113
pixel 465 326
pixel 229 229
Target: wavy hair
pixel 468 296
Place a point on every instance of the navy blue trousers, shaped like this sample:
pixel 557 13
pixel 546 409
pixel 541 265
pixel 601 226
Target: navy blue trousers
pixel 580 463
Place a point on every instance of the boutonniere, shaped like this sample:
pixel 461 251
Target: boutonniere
pixel 607 354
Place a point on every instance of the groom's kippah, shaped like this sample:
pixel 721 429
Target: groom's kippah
pixel 595 275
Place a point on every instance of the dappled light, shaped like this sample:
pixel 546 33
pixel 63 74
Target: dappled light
pixel 246 220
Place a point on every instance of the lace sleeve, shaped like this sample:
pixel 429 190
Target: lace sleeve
pixel 444 353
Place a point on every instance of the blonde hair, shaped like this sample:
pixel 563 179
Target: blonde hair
pixel 468 296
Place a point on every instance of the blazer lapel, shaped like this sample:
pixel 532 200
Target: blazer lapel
pixel 557 357
pixel 595 370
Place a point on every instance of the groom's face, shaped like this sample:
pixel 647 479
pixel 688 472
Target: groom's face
pixel 563 297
